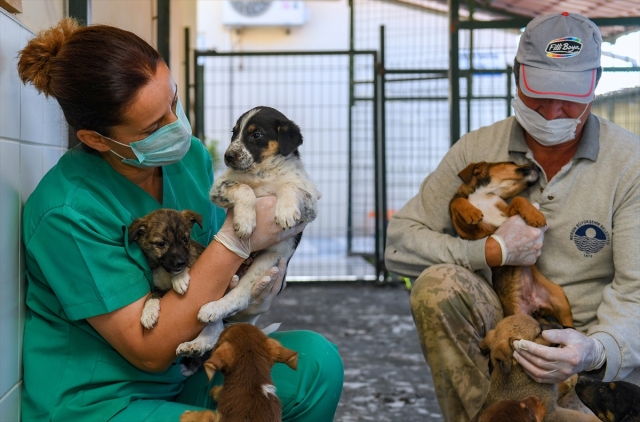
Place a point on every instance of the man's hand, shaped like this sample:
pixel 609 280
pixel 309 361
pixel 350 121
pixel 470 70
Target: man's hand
pixel 520 243
pixel 551 365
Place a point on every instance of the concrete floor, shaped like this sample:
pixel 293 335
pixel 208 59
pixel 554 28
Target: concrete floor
pixel 386 377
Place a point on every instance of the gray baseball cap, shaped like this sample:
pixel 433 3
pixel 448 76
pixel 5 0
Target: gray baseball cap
pixel 559 56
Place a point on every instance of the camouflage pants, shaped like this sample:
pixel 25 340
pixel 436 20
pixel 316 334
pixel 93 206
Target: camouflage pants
pixel 453 309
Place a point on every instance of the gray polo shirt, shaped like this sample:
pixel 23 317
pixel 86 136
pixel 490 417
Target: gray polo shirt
pixel 592 246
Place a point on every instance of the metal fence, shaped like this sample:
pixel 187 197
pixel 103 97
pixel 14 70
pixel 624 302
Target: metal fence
pixel 331 96
pixel 376 119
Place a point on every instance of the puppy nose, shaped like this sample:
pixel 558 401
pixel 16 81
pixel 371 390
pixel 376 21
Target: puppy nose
pixel 179 265
pixel 229 157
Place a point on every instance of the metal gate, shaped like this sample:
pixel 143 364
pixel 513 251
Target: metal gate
pixel 334 97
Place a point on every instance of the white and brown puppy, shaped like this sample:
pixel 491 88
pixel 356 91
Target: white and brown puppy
pixel 262 160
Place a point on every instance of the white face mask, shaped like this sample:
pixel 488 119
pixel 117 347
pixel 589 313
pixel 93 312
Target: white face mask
pixel 546 132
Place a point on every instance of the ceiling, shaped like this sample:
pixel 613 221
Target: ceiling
pixel 504 9
pixel 588 8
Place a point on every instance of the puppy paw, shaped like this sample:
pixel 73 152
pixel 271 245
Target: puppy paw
pixel 535 219
pixel 180 282
pixel 287 216
pixel 193 348
pixel 193 416
pixel 244 223
pixel 473 216
pixel 150 313
pixel 210 313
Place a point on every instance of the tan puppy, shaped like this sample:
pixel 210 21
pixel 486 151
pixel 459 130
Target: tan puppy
pixel 509 381
pixel 244 355
pixel 479 208
pixel 531 409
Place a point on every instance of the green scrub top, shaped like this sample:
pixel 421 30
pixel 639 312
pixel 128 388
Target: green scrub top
pixel 80 265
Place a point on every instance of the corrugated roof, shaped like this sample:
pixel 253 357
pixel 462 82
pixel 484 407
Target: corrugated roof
pixel 590 9
pixel 500 9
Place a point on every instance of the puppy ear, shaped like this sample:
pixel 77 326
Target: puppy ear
pixel 191 218
pixel 467 173
pixel 289 137
pixel 502 353
pixel 136 229
pixel 223 357
pixel 281 354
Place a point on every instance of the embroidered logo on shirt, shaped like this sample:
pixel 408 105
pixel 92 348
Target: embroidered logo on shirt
pixel 590 237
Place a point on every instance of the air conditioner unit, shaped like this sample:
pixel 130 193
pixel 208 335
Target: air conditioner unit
pixel 242 13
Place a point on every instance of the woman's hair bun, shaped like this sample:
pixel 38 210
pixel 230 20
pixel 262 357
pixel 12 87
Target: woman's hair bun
pixel 35 60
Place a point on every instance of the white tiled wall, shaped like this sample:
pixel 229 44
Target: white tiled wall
pixel 33 136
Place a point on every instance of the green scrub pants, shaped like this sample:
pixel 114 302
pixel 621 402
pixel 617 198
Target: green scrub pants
pixel 309 394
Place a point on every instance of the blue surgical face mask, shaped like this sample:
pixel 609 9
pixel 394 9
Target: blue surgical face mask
pixel 165 146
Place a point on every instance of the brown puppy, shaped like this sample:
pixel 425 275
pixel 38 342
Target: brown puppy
pixel 244 355
pixel 479 208
pixel 531 409
pixel 509 381
pixel 164 236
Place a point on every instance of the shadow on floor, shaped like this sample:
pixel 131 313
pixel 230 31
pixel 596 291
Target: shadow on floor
pixel 386 377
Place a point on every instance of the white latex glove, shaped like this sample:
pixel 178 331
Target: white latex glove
pixel 551 365
pixel 521 244
pixel 265 234
pixel 263 294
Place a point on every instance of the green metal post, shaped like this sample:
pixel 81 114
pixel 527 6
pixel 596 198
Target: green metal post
pixel 352 103
pixel 199 94
pixel 454 72
pixel 187 74
pixel 509 88
pixel 80 10
pixel 164 21
pixel 382 160
pixel 470 73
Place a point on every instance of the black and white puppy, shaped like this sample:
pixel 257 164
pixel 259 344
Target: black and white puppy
pixel 262 160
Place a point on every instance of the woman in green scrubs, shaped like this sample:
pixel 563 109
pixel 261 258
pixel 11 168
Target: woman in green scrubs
pixel 86 356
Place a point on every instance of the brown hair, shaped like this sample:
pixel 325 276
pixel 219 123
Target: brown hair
pixel 95 72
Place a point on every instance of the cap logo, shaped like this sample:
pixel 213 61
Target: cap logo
pixel 562 48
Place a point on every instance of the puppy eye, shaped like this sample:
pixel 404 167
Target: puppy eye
pixel 186 239
pixel 256 135
pixel 161 244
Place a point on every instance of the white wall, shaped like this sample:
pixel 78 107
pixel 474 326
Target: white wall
pixel 139 17
pixel 33 136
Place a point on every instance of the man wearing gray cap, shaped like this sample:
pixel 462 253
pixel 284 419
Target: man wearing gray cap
pixel 589 192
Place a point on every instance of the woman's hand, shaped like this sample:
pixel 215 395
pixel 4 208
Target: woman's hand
pixel 555 364
pixel 263 294
pixel 265 234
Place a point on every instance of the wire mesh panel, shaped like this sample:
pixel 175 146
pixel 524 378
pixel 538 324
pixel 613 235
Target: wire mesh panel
pixel 416 89
pixel 313 90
